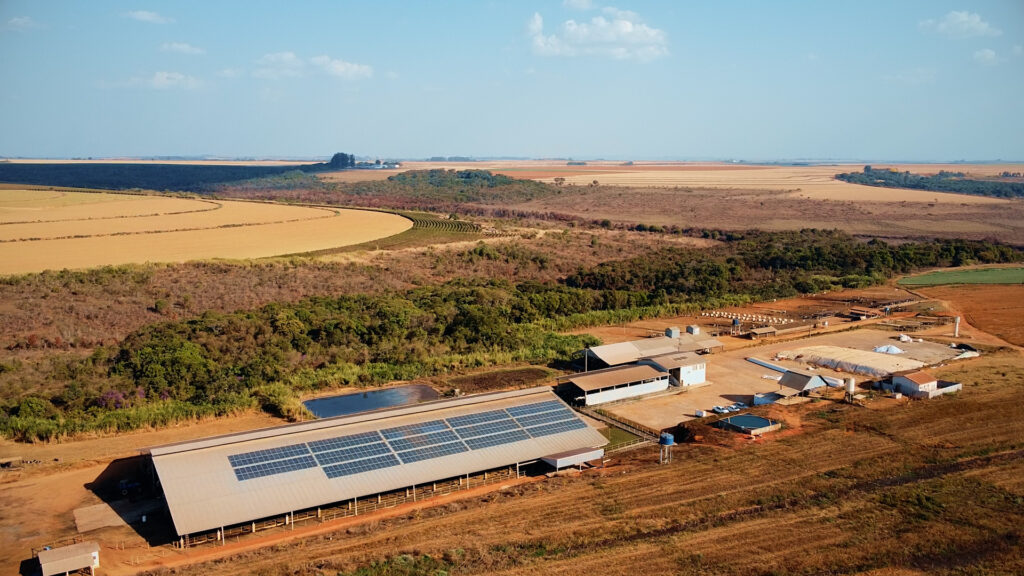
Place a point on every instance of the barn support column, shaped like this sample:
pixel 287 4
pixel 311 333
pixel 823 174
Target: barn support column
pixel 355 507
pixel 517 469
pixel 378 498
pixel 254 527
pixel 413 492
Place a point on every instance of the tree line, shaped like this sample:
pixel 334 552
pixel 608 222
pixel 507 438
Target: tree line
pixel 956 182
pixel 217 363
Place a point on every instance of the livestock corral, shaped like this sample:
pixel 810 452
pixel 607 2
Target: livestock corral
pixel 43 229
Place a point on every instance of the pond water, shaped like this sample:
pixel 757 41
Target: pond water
pixel 357 402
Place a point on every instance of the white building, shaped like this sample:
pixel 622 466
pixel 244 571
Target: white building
pixel 684 368
pixel 619 383
pixel 920 384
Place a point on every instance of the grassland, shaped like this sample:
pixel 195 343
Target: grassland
pixel 968 276
pixel 46 230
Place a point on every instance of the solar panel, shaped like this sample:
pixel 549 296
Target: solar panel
pixel 275 467
pixel 536 408
pixel 414 429
pixel 400 444
pixel 344 441
pixel 428 452
pixel 355 453
pixel 535 419
pixel 478 418
pixel 359 466
pixel 487 428
pixel 258 456
pixel 497 439
pixel 556 428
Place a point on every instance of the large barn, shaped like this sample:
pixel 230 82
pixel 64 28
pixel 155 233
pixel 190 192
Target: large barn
pixel 241 478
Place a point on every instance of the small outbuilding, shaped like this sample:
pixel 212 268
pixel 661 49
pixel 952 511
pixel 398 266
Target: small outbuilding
pixel 796 382
pixel 921 384
pixel 573 457
pixel 684 368
pixel 68 559
pixel 763 332
pixel 619 383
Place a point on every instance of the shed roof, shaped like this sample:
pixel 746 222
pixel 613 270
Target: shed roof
pixel 764 330
pixel 626 352
pixel 590 381
pixel 205 490
pixel 676 359
pixel 919 377
pixel 801 381
pixel 67 558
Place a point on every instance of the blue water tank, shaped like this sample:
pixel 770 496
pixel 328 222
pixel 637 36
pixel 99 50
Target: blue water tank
pixel 735 321
pixel 667 439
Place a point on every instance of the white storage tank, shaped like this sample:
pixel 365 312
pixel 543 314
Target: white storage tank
pixel 672 332
pixel 693 329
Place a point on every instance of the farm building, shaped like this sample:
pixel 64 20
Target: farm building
pixel 794 382
pixel 920 384
pixel 684 368
pixel 748 424
pixel 610 384
pixel 763 332
pixel 67 559
pixel 632 351
pixel 871 364
pixel 239 480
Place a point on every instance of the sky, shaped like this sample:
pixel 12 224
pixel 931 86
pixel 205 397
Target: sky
pixel 915 80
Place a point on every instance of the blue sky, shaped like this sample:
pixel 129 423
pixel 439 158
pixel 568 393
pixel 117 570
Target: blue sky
pixel 867 80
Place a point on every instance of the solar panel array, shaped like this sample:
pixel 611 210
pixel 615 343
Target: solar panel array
pixel 358 453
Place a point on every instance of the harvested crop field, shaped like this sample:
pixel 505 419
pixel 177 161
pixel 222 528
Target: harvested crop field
pixel 996 309
pixel 47 229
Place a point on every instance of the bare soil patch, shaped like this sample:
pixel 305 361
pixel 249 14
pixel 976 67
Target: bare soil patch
pixel 998 309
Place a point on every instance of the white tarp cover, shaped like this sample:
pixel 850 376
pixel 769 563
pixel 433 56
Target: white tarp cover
pixel 889 349
pixel 872 364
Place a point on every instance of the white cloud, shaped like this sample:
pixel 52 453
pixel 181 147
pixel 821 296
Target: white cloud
pixel 342 68
pixel 621 35
pixel 986 57
pixel 279 65
pixel 181 48
pixel 578 4
pixel 962 24
pixel 230 73
pixel 22 23
pixel 147 16
pixel 168 80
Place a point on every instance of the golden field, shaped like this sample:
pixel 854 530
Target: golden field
pixel 45 229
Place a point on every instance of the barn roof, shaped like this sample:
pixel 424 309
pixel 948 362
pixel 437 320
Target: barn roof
pixel 800 381
pixel 677 359
pixel 236 478
pixel 67 558
pixel 626 352
pixel 919 377
pixel 598 379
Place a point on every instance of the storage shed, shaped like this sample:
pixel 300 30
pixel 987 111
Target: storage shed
pixel 610 384
pixel 67 559
pixel 684 368
pixel 921 384
pixel 794 382
pixel 573 457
